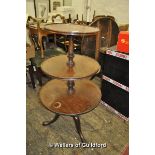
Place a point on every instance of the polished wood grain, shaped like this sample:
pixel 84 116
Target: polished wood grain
pixel 72 29
pixel 55 97
pixel 57 67
pixel 77 30
pixel 98 126
pixel 44 29
pixel 108 35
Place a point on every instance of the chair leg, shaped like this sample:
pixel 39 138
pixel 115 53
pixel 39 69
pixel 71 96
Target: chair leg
pixel 38 75
pixel 35 41
pixel 31 71
pixel 37 71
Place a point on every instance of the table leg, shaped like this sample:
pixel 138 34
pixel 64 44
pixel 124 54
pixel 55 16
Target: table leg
pixel 45 123
pixel 78 127
pixel 97 45
pixel 41 46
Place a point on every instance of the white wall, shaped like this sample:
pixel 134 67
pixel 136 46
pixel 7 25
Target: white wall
pixel 79 6
pixel 30 8
pixel 67 2
pixel 117 8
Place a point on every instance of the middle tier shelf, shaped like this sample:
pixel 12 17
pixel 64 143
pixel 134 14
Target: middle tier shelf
pixel 57 67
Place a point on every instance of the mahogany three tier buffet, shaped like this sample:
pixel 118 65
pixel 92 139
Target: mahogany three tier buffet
pixel 70 92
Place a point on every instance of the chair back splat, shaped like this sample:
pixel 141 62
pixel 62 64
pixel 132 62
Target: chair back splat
pixel 58 18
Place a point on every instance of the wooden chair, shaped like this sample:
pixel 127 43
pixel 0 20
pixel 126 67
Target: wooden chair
pixel 69 20
pixel 30 66
pixel 77 18
pixel 38 59
pixel 58 19
pixel 59 40
pixel 109 31
pixel 79 22
pixel 29 23
pixel 77 39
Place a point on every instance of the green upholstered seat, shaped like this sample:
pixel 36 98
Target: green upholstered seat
pixel 48 53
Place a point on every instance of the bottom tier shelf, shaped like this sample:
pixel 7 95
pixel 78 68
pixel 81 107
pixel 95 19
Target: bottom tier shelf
pixel 55 97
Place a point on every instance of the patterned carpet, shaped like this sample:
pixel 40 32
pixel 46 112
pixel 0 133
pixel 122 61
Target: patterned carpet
pixel 100 126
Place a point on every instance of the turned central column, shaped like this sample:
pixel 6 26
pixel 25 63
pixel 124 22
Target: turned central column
pixel 70 53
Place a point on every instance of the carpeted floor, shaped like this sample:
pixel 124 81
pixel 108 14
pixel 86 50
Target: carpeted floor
pixel 99 126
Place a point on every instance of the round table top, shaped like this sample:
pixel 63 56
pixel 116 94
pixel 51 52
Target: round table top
pixel 55 97
pixel 57 67
pixel 71 29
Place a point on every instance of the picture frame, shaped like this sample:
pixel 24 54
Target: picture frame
pixel 42 8
pixel 55 3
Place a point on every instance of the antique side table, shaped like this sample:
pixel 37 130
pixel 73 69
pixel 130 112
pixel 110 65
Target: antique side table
pixel 71 93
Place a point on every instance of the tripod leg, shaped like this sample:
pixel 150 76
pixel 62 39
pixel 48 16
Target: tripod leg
pixel 78 127
pixel 45 123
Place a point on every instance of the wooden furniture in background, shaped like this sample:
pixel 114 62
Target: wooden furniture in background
pixel 80 22
pixel 97 17
pixel 101 16
pixel 108 35
pixel 38 28
pixel 77 18
pixel 59 38
pixel 72 30
pixel 34 25
pixel 30 66
pixel 42 54
pixel 30 53
pixel 59 17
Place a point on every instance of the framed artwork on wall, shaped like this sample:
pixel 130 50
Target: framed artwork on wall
pixel 55 3
pixel 42 8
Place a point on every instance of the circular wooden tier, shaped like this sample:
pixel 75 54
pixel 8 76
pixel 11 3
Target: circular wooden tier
pixel 57 67
pixel 55 97
pixel 71 29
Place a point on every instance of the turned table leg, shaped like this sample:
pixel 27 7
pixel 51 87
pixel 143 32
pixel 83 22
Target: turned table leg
pixel 41 46
pixel 70 53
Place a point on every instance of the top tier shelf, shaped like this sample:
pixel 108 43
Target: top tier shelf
pixel 57 67
pixel 71 29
